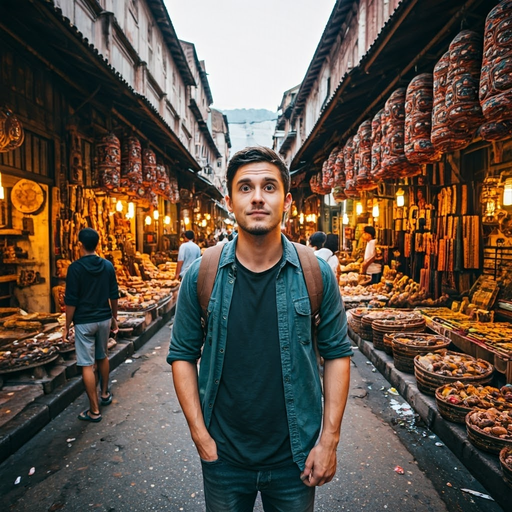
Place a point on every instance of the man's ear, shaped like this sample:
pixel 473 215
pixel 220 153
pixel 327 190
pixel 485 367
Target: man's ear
pixel 228 204
pixel 288 199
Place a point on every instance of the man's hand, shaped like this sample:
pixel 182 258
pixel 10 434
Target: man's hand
pixel 65 333
pixel 207 448
pixel 113 326
pixel 320 465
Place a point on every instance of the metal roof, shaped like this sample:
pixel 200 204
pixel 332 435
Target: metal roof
pixel 201 70
pixel 411 42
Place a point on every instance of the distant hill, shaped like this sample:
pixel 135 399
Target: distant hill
pixel 249 115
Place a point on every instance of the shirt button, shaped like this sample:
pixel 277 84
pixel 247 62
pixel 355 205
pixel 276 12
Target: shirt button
pixel 230 281
pixel 224 317
pixel 216 381
pixel 210 405
pixel 221 351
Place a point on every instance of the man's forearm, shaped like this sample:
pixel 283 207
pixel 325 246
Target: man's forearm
pixel 113 307
pixel 184 374
pixel 70 313
pixel 178 268
pixel 336 386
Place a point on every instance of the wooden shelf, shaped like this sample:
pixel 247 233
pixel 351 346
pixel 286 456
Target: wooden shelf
pixel 11 232
pixel 8 278
pixel 21 262
pixel 5 297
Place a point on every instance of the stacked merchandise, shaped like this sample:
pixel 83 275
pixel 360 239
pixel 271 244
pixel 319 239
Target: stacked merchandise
pixel 363 178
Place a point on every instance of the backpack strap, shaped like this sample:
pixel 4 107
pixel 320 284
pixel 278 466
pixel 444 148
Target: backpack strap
pixel 312 276
pixel 207 274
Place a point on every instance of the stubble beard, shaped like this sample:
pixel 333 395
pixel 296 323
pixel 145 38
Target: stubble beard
pixel 257 230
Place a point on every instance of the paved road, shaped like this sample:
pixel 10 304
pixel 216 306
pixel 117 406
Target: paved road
pixel 140 457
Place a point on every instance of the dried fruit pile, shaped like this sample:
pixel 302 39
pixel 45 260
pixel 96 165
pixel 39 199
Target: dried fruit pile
pixel 453 365
pixel 493 422
pixel 482 397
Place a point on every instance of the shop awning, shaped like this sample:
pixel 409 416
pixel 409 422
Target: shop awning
pixel 411 42
pixel 41 26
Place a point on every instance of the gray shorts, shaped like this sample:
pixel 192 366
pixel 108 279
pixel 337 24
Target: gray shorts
pixel 91 342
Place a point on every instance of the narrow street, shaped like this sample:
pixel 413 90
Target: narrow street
pixel 140 457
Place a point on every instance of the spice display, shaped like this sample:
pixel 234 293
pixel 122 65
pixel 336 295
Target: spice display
pixel 418 147
pixel 108 161
pixel 451 364
pixel 495 91
pixel 490 429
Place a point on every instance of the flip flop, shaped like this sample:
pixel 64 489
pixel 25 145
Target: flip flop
pixel 86 416
pixel 108 400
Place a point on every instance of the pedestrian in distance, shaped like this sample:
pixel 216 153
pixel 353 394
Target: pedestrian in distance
pixel 372 257
pixel 187 253
pixel 91 306
pixel 254 410
pixel 317 240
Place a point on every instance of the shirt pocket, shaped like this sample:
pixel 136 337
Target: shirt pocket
pixel 302 320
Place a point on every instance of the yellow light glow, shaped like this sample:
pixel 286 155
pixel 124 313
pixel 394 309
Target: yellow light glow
pixel 203 223
pixel 2 193
pixel 186 220
pixel 345 219
pixel 359 208
pixel 131 210
pixel 156 214
pixel 167 220
pixel 375 211
pixel 301 218
pixel 119 206
pixel 507 193
pixel 148 220
pixel 207 216
pixel 400 199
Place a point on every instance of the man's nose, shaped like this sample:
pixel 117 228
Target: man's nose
pixel 257 196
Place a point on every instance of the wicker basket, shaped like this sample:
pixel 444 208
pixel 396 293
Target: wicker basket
pixel 507 468
pixel 368 318
pixel 406 323
pixel 484 441
pixel 356 316
pixel 366 328
pixel 428 382
pixel 404 353
pixel 457 412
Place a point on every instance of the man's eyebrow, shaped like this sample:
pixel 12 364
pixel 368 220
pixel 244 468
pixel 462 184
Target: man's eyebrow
pixel 266 178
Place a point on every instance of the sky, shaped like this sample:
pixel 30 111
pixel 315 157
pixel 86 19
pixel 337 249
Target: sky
pixel 254 50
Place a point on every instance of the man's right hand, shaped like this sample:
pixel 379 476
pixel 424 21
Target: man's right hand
pixel 207 449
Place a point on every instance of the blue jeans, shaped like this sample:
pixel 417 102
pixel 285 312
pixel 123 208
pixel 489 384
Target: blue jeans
pixel 231 489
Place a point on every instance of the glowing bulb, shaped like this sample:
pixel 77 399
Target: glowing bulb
pixel 119 206
pixel 507 193
pixel 2 195
pixel 156 215
pixel 131 210
pixel 203 223
pixel 359 208
pixel 301 218
pixel 375 211
pixel 345 219
pixel 186 220
pixel 400 200
pixel 207 216
pixel 148 220
pixel 167 220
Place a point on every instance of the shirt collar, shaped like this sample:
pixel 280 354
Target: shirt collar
pixel 289 252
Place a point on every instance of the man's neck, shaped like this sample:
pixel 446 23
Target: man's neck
pixel 259 252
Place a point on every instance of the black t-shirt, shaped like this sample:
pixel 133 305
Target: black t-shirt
pixel 249 422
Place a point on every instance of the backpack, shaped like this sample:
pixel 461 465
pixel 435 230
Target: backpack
pixel 310 268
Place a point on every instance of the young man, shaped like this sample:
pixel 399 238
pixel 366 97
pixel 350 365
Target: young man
pixel 255 411
pixel 371 264
pixel 188 252
pixel 91 305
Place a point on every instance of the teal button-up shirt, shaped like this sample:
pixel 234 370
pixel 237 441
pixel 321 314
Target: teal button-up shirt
pixel 301 381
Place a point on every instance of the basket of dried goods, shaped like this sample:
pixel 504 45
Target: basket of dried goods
pixel 456 399
pixel 355 317
pixel 506 464
pixel 403 322
pixel 407 345
pixel 369 317
pixel 489 429
pixel 443 367
pixel 26 354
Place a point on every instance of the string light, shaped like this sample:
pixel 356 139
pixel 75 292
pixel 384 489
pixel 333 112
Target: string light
pixel 119 206
pixel 359 208
pixel 148 220
pixel 400 199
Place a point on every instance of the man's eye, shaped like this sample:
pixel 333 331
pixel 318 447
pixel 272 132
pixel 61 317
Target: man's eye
pixel 269 188
pixel 245 188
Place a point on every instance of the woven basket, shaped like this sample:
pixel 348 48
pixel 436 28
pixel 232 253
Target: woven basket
pixel 368 318
pixel 357 315
pixel 428 381
pixel 382 327
pixel 484 441
pixel 404 353
pixel 366 328
pixel 506 468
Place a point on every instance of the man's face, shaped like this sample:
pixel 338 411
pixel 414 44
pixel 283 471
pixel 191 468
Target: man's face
pixel 258 199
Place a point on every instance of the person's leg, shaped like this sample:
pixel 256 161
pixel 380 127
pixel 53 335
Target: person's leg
pixel 101 356
pixel 282 490
pixel 228 488
pixel 85 336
